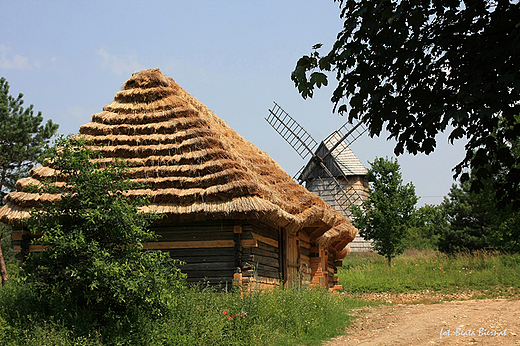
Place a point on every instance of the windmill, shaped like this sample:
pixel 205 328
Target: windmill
pixel 333 172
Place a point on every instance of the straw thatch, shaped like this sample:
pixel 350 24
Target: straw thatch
pixel 196 167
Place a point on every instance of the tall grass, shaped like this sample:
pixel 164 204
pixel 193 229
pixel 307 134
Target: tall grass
pixel 421 270
pixel 196 316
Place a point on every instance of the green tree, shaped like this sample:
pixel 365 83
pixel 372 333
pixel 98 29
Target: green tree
pixel 424 229
pixel 22 138
pixel 418 68
pixel 93 238
pixel 22 142
pixel 475 222
pixel 388 211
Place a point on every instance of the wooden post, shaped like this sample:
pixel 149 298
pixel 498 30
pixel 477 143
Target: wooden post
pixel 237 229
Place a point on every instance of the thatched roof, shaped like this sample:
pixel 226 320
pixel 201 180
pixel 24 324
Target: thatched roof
pixel 196 167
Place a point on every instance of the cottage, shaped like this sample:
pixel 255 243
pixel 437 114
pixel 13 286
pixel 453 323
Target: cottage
pixel 230 211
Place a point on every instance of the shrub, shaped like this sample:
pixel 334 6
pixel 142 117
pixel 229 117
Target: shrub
pixel 93 239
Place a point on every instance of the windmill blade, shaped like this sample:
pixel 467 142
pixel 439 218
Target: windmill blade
pixel 347 134
pixel 299 139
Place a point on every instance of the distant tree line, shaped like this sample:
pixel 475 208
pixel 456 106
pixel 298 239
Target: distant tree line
pixel 466 220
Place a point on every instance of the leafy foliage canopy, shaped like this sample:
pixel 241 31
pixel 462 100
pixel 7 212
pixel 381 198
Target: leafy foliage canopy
pixel 421 67
pixel 93 238
pixel 388 211
pixel 22 138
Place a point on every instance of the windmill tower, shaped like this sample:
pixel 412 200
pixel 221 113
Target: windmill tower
pixel 333 171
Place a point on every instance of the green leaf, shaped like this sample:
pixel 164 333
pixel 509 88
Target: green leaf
pixel 319 79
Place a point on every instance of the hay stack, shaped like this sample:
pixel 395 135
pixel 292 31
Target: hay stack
pixel 196 167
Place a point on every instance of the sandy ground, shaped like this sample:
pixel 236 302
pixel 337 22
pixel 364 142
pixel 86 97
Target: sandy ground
pixel 429 322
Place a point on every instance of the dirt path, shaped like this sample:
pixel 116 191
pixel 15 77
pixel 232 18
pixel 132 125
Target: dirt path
pixel 466 322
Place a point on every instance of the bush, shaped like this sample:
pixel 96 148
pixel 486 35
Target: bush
pixel 195 316
pixel 93 240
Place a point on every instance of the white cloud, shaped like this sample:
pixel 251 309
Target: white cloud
pixel 120 65
pixel 12 62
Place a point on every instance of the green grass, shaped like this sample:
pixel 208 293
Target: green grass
pixel 430 270
pixel 202 316
pixel 194 317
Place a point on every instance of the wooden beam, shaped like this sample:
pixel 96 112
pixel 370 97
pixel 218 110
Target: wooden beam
pixel 238 227
pixel 266 240
pixel 269 261
pixel 249 243
pixel 318 232
pixel 18 235
pixel 189 244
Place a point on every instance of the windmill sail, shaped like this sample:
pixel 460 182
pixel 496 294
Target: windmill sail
pixel 328 171
pixel 291 131
pixel 348 136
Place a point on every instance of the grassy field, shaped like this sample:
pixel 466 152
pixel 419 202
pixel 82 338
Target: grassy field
pixel 202 316
pixel 431 270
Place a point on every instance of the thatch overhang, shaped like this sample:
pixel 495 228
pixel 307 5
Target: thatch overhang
pixel 194 165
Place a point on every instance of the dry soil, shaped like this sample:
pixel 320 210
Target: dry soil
pixel 430 320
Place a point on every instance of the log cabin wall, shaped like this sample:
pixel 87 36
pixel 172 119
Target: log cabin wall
pixel 216 251
pixel 262 256
pixel 208 248
pixel 275 256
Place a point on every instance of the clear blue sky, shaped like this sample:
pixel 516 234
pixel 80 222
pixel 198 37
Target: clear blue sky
pixel 69 58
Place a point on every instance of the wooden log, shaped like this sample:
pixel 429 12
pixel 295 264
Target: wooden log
pixel 268 247
pixel 263 252
pixel 24 234
pixel 197 244
pixel 208 266
pixel 249 243
pixel 206 259
pixel 305 258
pixel 202 253
pixel 269 241
pixel 248 273
pixel 189 244
pixel 265 230
pixel 195 235
pixel 36 248
pixel 305 237
pixel 267 271
pixel 305 245
pixel 17 235
pixel 201 274
pixel 306 252
pixel 262 271
pixel 238 227
pixel 212 279
pixel 269 261
pixel 318 232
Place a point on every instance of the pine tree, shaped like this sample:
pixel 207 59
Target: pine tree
pixel 22 142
